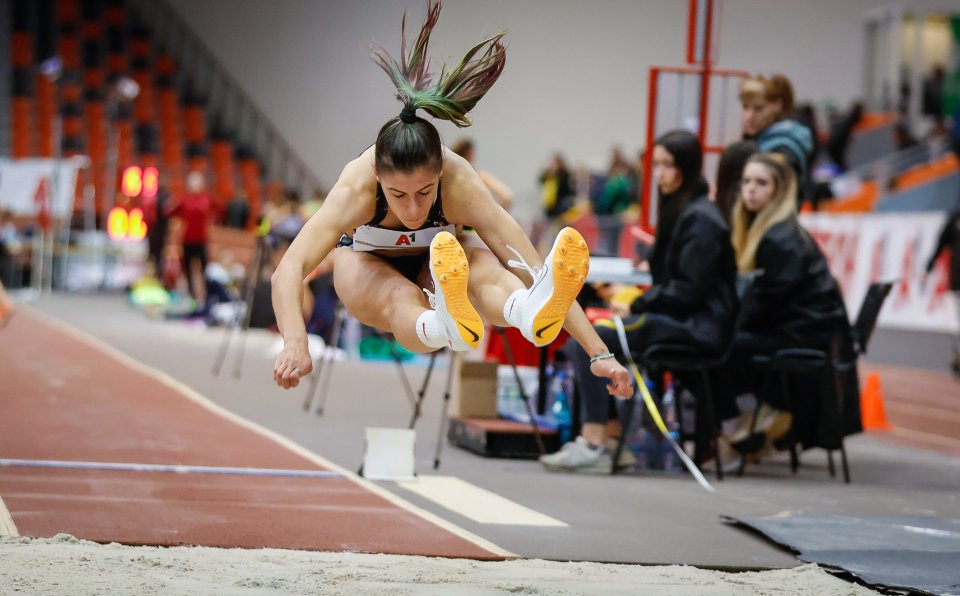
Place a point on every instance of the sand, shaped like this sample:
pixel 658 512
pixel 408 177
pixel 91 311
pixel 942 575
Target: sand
pixel 65 565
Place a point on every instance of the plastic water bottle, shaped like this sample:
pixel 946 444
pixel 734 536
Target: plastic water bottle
pixel 561 406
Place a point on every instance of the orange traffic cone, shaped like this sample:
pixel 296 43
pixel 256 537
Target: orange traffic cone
pixel 872 413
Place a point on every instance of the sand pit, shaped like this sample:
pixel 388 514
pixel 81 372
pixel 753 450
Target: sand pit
pixel 66 565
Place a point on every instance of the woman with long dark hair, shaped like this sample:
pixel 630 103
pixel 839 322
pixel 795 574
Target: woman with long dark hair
pixel 393 234
pixel 692 301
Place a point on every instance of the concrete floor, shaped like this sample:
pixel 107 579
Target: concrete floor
pixel 649 519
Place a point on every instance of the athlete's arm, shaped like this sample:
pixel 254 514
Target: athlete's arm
pixel 471 204
pixel 500 191
pixel 342 211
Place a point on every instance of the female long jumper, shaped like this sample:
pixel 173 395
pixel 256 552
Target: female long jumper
pixel 398 265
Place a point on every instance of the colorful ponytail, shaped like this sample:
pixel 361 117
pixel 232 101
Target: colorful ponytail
pixel 407 141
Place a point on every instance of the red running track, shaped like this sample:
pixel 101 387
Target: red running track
pixel 63 398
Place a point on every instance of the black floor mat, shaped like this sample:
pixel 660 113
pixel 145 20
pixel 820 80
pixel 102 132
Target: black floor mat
pixel 917 553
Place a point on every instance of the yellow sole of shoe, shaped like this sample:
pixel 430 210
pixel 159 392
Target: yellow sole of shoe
pixel 571 263
pixel 452 272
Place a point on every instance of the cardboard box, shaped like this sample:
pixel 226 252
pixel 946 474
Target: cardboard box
pixel 474 394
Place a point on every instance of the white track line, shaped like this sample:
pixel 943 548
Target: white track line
pixel 163 468
pixel 7 527
pixel 480 505
pixel 927 437
pixel 931 412
pixel 277 438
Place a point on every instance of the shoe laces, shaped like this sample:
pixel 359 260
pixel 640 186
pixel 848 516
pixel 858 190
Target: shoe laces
pixel 431 297
pixel 535 272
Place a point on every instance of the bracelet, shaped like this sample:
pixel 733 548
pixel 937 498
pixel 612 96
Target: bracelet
pixel 602 357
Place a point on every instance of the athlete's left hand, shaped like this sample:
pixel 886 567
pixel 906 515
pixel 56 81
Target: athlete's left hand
pixel 292 364
pixel 620 385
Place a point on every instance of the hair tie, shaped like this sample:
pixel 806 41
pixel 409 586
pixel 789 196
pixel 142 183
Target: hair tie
pixel 408 114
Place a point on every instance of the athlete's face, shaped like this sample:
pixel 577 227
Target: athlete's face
pixel 758 113
pixel 410 195
pixel 757 187
pixel 665 171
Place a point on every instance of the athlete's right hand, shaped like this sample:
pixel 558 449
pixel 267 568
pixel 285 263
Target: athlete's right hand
pixel 293 363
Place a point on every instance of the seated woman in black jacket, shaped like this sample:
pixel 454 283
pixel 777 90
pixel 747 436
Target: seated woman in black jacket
pixel 693 299
pixel 794 301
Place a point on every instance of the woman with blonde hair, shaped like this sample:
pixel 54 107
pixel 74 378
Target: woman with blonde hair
pixel 767 102
pixel 398 265
pixel 794 301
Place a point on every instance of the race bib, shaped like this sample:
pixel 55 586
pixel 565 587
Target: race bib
pixel 368 238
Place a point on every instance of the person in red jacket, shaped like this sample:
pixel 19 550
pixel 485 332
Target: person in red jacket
pixel 195 211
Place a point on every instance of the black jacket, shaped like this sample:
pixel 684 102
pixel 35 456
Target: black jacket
pixel 949 238
pixel 796 295
pixel 694 275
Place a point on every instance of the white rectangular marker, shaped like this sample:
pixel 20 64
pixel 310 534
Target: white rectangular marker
pixel 7 527
pixel 482 506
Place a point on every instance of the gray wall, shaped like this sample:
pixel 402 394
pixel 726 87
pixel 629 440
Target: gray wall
pixel 576 76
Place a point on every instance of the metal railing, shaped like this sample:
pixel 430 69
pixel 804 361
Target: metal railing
pixel 886 169
pixel 228 107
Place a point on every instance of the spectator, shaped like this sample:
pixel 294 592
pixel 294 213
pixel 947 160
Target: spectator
pixel 840 134
pixel 933 87
pixel 692 301
pixel 557 190
pixel 237 212
pixel 794 303
pixel 729 173
pixel 949 240
pixel 194 209
pixel 500 191
pixel 615 197
pixel 765 102
pixel 156 214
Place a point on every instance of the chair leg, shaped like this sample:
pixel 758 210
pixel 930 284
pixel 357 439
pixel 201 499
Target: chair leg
pixel 423 390
pixel 830 466
pixel 843 462
pixel 711 424
pixel 753 419
pixel 624 431
pixel 446 407
pixel 791 436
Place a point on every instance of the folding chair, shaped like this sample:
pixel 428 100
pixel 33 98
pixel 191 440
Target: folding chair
pixel 828 369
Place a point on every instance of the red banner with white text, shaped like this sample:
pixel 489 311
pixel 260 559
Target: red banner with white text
pixel 863 249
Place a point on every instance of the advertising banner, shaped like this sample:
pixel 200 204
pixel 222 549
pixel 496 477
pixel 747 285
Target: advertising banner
pixel 27 186
pixel 863 249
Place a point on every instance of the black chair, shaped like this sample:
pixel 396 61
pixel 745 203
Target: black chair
pixel 681 358
pixel 828 369
pixel 685 359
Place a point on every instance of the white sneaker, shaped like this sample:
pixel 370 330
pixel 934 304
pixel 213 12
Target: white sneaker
pixel 539 311
pixel 578 456
pixel 450 271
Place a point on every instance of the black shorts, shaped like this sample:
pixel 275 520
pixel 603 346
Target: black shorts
pixel 409 266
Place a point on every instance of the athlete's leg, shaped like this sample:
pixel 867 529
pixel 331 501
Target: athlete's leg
pixel 490 285
pixel 538 311
pixel 379 296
